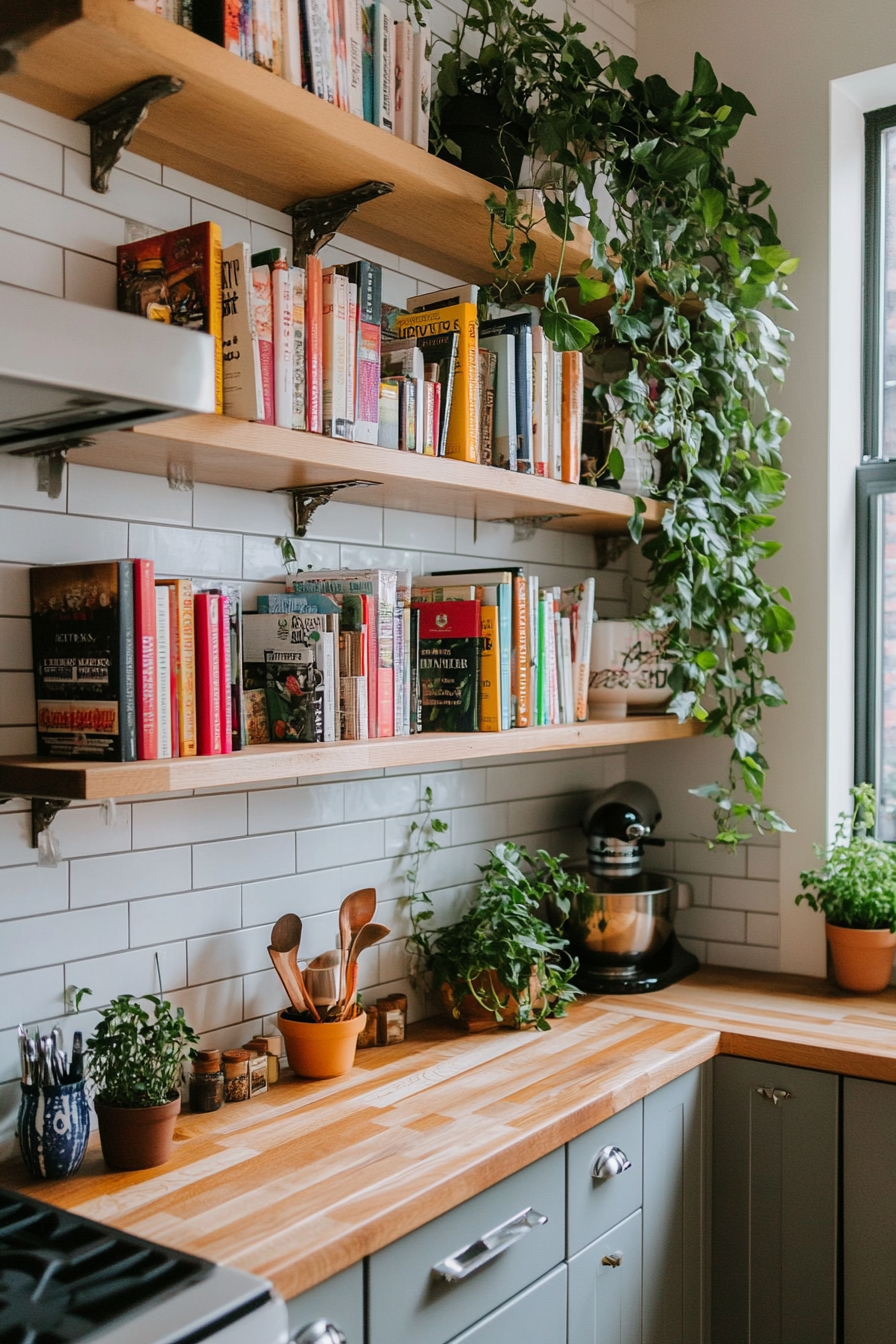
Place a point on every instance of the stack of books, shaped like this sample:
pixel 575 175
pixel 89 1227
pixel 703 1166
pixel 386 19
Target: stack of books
pixel 356 56
pixel 314 348
pixel 128 667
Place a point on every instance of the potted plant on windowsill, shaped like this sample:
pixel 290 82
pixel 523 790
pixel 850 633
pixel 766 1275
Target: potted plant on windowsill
pixel 135 1059
pixel 856 892
pixel 501 964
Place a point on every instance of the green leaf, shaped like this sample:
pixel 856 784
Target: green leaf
pixel 643 152
pixel 565 331
pixel 557 219
pixel 775 257
pixel 705 82
pixel 712 204
pixel 789 266
pixel 636 521
pixel 616 464
pixel 706 660
pixel 590 289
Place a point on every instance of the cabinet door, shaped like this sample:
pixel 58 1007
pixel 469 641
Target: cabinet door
pixel 869 1212
pixel 595 1203
pixel 605 1288
pixel 674 1212
pixel 538 1314
pixel 339 1300
pixel 774 1204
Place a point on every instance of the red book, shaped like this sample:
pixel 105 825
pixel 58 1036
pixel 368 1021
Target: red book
pixel 314 344
pixel 145 659
pixel 224 676
pixel 207 619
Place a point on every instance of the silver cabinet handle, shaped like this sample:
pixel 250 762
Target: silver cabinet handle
pixel 319 1332
pixel 470 1258
pixel 774 1094
pixel 614 1259
pixel 610 1161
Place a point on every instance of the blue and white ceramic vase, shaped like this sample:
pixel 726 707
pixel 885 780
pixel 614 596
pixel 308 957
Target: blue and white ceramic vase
pixel 54 1127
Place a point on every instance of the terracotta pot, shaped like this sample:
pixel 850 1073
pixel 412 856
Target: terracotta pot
pixel 471 1016
pixel 321 1049
pixel 136 1137
pixel 863 958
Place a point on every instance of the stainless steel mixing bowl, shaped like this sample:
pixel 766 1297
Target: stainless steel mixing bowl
pixel 619 923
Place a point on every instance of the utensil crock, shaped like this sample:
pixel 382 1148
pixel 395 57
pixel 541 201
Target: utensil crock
pixel 53 1129
pixel 321 1049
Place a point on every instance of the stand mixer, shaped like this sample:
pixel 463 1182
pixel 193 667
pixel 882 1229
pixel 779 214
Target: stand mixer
pixel 621 928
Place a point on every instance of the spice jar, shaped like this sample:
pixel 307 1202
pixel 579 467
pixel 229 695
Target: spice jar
pixel 207 1082
pixel 272 1048
pixel 368 1035
pixel 391 1019
pixel 236 1075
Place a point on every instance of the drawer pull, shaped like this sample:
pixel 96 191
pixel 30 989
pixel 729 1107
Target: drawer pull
pixel 319 1332
pixel 613 1260
pixel 470 1258
pixel 774 1094
pixel 610 1161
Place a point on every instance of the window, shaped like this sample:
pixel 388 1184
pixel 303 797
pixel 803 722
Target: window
pixel 876 485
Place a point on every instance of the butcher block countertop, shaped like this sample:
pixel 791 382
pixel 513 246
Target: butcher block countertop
pixel 311 1177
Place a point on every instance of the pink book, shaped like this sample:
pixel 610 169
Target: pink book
pixel 263 314
pixel 224 675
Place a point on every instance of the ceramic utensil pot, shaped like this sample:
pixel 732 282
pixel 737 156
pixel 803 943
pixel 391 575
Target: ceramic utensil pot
pixel 53 1129
pixel 321 1049
pixel 628 671
pixel 134 1138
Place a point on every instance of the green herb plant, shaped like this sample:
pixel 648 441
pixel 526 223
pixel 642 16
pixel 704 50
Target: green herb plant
pixel 672 311
pixel 856 887
pixel 421 841
pixel 135 1057
pixel 501 952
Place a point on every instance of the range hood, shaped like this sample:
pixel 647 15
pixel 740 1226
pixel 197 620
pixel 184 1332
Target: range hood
pixel 68 370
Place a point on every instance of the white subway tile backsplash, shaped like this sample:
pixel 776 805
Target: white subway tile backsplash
pixel 262 237
pixel 720 925
pixel 743 956
pixel 353 843
pixel 85 830
pixel 243 860
pixel 128 876
pixel 188 186
pixel 295 809
pixel 764 861
pixel 14 596
pixel 28 996
pixel 30 264
pixel 534 814
pixel 185 915
pixel 452 788
pixel 184 821
pixel 118 494
pixel 187 551
pixel 577 774
pixel 128 195
pixel 31 158
pixel 30 890
pixel 302 893
pixel 24 536
pixel 696 858
pixel 18 485
pixel 763 930
pixel 742 894
pixel 234 228
pixel 43 940
pixel 420 531
pixel 15 643
pixel 58 129
pixel 219 506
pixel 262 559
pixel 381 797
pixel 338 520
pixel 262 994
pixel 223 955
pixel 211 1006
pixel 90 281
pixel 492 822
pixel 56 219
pixel 132 972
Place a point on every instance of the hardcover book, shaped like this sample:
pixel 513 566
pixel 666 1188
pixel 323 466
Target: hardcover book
pixel 82 632
pixel 441 350
pixel 422 79
pixel 368 276
pixel 450 655
pixel 209 710
pixel 505 438
pixel 462 439
pixel 243 396
pixel 185 662
pixel 490 673
pixel 520 328
pixel 263 318
pixel 571 416
pixel 145 659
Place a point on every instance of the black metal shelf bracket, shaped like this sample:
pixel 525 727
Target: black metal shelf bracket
pixel 318 218
pixel 113 123
pixel 307 498
pixel 43 813
pixel 524 529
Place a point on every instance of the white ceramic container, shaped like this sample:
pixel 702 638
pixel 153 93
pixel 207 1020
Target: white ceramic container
pixel 628 672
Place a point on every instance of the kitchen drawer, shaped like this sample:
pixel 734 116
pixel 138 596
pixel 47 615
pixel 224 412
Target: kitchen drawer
pixel 409 1303
pixel 339 1300
pixel 595 1204
pixel 538 1314
pixel 605 1288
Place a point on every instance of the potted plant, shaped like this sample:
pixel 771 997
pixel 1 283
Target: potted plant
pixel 501 964
pixel 856 892
pixel 135 1059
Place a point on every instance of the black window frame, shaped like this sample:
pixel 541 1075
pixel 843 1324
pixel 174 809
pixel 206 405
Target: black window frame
pixel 876 476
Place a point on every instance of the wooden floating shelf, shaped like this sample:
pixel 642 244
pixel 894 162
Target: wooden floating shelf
pixel 220 451
pixel 91 781
pixel 250 132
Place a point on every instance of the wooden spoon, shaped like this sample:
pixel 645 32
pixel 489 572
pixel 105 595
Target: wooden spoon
pixel 364 938
pixel 356 910
pixel 286 936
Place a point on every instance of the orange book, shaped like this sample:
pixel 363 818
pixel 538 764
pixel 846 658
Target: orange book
pixel 519 665
pixel 176 278
pixel 489 672
pixel 462 440
pixel 572 411
pixel 183 662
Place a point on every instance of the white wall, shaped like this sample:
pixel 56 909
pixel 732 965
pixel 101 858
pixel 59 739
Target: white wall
pixel 784 54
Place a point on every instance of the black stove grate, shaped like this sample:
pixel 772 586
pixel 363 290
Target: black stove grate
pixel 65 1278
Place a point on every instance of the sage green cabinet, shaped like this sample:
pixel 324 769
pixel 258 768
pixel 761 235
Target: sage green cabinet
pixel 339 1300
pixel 869 1212
pixel 537 1314
pixel 605 1288
pixel 774 1204
pixel 675 1198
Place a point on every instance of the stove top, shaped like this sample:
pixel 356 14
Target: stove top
pixel 63 1277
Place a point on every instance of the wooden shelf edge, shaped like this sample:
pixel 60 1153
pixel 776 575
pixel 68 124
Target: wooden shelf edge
pixel 216 450
pixel 92 781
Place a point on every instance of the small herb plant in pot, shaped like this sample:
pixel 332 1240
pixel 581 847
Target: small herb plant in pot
pixel 856 892
pixel 135 1059
pixel 501 964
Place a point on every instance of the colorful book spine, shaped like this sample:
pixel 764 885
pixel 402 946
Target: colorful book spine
pixel 368 277
pixel 335 334
pixel 225 675
pixel 292 42
pixel 284 348
pixel 520 669
pixel 163 673
pixel 185 662
pixel 422 87
pixel 404 79
pixel 490 705
pixel 572 408
pixel 351 356
pixel 540 430
pixel 462 437
pixel 383 67
pixel 263 314
pixel 243 395
pixel 354 42
pixel 555 394
pixel 207 625
pixel 368 44
pixel 145 659
pixel 450 652
pixel 505 437
pixel 314 344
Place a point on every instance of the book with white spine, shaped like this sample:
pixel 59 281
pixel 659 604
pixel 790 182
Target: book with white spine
pixel 383 67
pixel 404 79
pixel 284 349
pixel 163 674
pixel 354 41
pixel 422 85
pixel 540 410
pixel 292 41
pixel 243 395
pixel 297 294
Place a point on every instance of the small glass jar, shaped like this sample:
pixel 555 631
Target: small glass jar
pixel 391 1019
pixel 207 1082
pixel 236 1075
pixel 367 1037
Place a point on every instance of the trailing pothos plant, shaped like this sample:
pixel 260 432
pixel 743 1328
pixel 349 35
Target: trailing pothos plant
pixel 671 312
